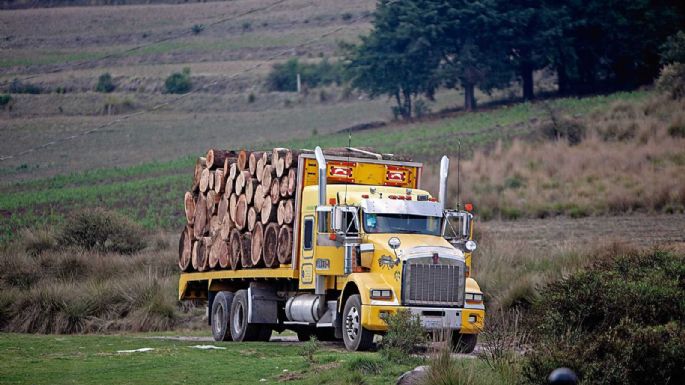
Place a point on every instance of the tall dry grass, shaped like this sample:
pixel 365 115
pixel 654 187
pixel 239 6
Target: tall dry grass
pixel 58 289
pixel 631 158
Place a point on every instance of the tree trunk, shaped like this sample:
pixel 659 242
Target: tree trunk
pixel 527 81
pixel 254 158
pixel 280 167
pixel 214 226
pixel 185 249
pixel 268 175
pixel 222 209
pixel 292 181
pixel 235 247
pixel 204 180
pixel 200 165
pixel 289 214
pixel 277 154
pixel 246 250
pixel 241 212
pixel 250 187
pixel 219 181
pixel 224 254
pixel 268 213
pixel 270 247
pixel 189 207
pixel 217 158
pixel 251 218
pixel 232 205
pixel 200 221
pixel 195 254
pixel 258 199
pixel 283 188
pixel 226 227
pixel 257 244
pixel 210 182
pixel 242 160
pixel 280 213
pixel 469 97
pixel 214 253
pixel 285 245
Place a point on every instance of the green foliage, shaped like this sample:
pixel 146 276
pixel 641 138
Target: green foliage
pixel 405 336
pixel 5 99
pixel 105 83
pixel 19 87
pixel 197 28
pixel 309 348
pixel 366 365
pixel 246 26
pixel 178 82
pixel 619 322
pixel 102 230
pixel 673 50
pixel 283 76
pixel 672 80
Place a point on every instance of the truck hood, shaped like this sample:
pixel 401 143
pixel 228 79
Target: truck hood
pixel 414 246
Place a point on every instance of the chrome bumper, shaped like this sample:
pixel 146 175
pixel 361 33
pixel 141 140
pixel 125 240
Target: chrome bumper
pixel 438 318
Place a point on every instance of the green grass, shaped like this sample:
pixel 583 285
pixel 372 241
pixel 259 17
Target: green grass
pixel 151 193
pixel 50 359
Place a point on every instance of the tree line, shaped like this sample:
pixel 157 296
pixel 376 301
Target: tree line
pixel 419 46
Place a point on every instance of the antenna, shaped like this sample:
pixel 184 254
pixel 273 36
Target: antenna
pixel 458 174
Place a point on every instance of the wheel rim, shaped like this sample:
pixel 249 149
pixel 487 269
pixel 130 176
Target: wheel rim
pixel 238 318
pixel 352 323
pixel 218 320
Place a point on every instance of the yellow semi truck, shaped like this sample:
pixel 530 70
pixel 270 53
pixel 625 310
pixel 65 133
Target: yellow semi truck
pixel 367 242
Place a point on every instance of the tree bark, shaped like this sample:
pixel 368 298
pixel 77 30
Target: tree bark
pixel 469 97
pixel 235 247
pixel 285 245
pixel 527 81
pixel 217 158
pixel 270 248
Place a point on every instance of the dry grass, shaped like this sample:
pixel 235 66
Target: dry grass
pixel 627 162
pixel 69 290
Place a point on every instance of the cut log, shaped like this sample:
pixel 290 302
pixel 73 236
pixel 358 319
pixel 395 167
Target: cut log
pixel 254 158
pixel 285 245
pixel 289 215
pixel 251 218
pixel 229 187
pixel 203 253
pixel 185 249
pixel 224 256
pixel 226 227
pixel 280 213
pixel 214 253
pixel 268 175
pixel 217 158
pixel 195 254
pixel 241 181
pixel 204 180
pixel 268 213
pixel 280 167
pixel 233 171
pixel 214 226
pixel 246 250
pixel 222 208
pixel 200 222
pixel 257 243
pixel 292 181
pixel 219 181
pixel 210 183
pixel 270 247
pixel 232 205
pixel 289 158
pixel 242 160
pixel 189 207
pixel 200 164
pixel 277 154
pixel 275 191
pixel 241 212
pixel 211 202
pixel 258 198
pixel 250 187
pixel 259 169
pixel 284 186
pixel 235 249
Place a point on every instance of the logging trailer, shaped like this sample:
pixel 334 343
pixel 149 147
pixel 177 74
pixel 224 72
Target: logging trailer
pixel 366 242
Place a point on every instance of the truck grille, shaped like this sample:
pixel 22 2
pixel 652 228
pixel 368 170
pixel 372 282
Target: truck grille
pixel 429 284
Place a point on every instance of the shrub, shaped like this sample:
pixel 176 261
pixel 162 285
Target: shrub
pixel 246 26
pixel 309 348
pixel 564 128
pixel 197 28
pixel 619 322
pixel 346 16
pixel 5 99
pixel 105 83
pixel 673 50
pixel 102 230
pixel 672 80
pixel 19 87
pixel 251 98
pixel 421 108
pixel 34 242
pixel 178 82
pixel 404 337
pixel 283 76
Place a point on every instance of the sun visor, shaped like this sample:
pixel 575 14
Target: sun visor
pixel 392 206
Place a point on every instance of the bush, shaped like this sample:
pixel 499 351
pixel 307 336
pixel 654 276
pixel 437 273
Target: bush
pixel 5 99
pixel 197 28
pixel 178 82
pixel 672 80
pixel 309 348
pixel 421 108
pixel 18 87
pixel 105 83
pixel 564 129
pixel 619 322
pixel 405 336
pixel 283 76
pixel 102 230
pixel 673 50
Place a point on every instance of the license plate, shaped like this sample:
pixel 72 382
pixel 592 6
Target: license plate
pixel 431 322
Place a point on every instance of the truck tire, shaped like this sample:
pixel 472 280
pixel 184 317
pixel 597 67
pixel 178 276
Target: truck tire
pixel 241 329
pixel 356 338
pixel 221 311
pixel 464 343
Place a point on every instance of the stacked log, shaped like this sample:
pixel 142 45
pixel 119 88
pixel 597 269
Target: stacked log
pixel 239 211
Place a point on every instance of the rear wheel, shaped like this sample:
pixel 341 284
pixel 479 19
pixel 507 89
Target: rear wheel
pixel 355 336
pixel 221 310
pixel 241 329
pixel 464 343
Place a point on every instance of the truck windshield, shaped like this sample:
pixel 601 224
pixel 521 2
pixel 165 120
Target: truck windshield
pixel 401 223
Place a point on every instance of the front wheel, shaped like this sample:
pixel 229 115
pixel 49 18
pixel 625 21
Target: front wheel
pixel 356 338
pixel 464 343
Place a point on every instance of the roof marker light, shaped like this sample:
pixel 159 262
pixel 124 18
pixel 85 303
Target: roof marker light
pixel 468 207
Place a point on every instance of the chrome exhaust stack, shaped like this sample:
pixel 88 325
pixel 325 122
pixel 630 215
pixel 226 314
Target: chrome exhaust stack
pixel 321 162
pixel 444 173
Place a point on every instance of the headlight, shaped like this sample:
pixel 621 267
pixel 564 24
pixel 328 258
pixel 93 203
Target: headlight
pixel 475 297
pixel 394 243
pixel 471 245
pixel 381 294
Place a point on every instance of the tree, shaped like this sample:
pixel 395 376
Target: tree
pixel 178 82
pixel 105 83
pixel 396 59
